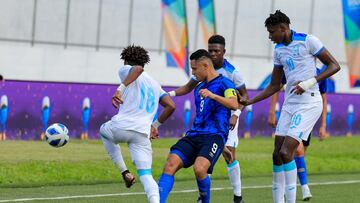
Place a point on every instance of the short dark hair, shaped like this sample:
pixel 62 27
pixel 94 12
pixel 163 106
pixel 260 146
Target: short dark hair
pixel 216 39
pixel 200 53
pixel 135 54
pixel 277 18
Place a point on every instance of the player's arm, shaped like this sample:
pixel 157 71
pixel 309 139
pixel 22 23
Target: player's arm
pixel 272 88
pixel 272 116
pixel 134 73
pixel 332 65
pixel 187 88
pixel 318 50
pixel 322 130
pixel 229 100
pixel 169 108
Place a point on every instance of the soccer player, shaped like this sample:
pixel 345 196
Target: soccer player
pixel 134 121
pixel 301 149
pixel 216 48
pixel 294 56
pixel 204 142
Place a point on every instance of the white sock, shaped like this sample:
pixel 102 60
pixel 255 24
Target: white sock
pixel 290 181
pixel 234 175
pixel 278 188
pixel 114 152
pixel 151 188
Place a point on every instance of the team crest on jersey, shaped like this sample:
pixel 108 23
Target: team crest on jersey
pixel 296 50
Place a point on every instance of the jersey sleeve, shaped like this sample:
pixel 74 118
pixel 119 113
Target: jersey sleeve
pixel 276 59
pixel 162 93
pixel 229 89
pixel 124 72
pixel 238 80
pixel 315 45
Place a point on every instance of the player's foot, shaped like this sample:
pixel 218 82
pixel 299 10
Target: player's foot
pixel 199 200
pixel 128 178
pixel 238 199
pixel 306 195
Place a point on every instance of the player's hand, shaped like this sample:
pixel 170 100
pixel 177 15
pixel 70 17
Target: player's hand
pixel 206 93
pixel 243 101
pixel 233 120
pixel 116 99
pixel 297 89
pixel 154 133
pixel 322 133
pixel 272 119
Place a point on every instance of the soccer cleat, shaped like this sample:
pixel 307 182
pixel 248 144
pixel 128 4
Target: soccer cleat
pixel 238 199
pixel 306 195
pixel 129 178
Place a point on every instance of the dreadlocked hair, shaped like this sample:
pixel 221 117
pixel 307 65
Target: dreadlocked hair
pixel 136 55
pixel 277 18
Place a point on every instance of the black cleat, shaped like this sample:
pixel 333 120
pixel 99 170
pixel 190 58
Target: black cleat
pixel 238 199
pixel 129 178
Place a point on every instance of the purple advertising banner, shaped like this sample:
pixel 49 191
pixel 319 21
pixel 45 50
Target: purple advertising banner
pixel 24 110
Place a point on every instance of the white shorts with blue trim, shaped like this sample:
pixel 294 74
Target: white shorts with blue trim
pixel 139 144
pixel 233 139
pixel 298 120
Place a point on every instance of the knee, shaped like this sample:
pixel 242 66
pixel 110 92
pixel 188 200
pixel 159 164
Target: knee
pixel 200 171
pixel 285 155
pixel 171 167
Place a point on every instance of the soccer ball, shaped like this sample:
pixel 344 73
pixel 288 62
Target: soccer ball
pixel 57 135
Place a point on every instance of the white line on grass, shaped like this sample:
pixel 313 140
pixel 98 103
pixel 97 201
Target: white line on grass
pixel 177 191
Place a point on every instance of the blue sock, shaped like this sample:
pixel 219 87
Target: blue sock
pixel 301 169
pixel 166 183
pixel 204 189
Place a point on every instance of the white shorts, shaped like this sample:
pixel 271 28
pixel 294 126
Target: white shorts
pixel 233 139
pixel 139 144
pixel 298 120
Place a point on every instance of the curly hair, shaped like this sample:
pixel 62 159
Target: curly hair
pixel 135 55
pixel 277 18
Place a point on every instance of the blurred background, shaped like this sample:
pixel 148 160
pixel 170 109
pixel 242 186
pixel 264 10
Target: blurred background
pixel 68 50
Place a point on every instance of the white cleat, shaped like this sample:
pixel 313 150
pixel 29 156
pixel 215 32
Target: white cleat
pixel 306 195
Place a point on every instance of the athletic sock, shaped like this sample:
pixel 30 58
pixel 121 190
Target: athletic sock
pixel 278 187
pixel 150 186
pixel 234 176
pixel 290 181
pixel 301 169
pixel 166 183
pixel 204 189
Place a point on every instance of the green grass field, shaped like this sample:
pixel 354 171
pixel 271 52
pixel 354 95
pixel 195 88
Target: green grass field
pixel 35 170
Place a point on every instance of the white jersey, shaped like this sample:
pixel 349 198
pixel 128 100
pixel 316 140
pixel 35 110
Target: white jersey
pixel 141 99
pixel 230 72
pixel 298 62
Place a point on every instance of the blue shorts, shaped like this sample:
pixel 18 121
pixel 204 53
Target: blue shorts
pixel 190 147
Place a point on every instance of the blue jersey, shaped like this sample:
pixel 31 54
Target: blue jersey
pixel 212 117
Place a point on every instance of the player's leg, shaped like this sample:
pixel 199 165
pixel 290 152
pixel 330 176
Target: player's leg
pixel 233 166
pixel 181 155
pixel 141 155
pixel 287 153
pixel 301 169
pixel 278 182
pixel 210 148
pixel 302 123
pixel 114 151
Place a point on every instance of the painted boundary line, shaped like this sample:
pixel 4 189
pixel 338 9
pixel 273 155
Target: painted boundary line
pixel 177 191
